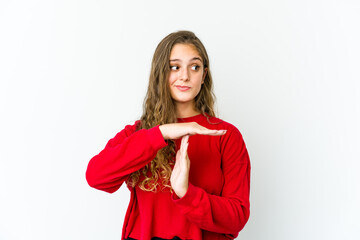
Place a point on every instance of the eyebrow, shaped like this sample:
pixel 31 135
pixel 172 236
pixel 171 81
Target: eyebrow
pixel 178 60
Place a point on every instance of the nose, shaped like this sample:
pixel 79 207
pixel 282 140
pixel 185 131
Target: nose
pixel 184 74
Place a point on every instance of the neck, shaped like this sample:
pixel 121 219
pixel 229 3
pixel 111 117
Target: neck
pixel 184 110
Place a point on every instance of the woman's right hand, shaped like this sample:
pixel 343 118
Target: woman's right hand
pixel 178 130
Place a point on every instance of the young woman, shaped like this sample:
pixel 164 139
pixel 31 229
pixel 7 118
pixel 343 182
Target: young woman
pixel 181 187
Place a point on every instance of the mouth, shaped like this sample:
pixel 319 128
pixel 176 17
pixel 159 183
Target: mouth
pixel 182 88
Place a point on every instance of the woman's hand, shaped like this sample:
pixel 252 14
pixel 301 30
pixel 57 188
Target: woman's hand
pixel 180 174
pixel 178 130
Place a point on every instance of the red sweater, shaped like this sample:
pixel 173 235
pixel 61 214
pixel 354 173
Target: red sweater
pixel 216 205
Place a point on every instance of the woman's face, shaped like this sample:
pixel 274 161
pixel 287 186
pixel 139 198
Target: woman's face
pixel 187 73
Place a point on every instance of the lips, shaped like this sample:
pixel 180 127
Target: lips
pixel 183 88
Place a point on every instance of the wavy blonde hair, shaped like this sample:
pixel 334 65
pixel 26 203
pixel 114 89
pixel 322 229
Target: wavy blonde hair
pixel 159 108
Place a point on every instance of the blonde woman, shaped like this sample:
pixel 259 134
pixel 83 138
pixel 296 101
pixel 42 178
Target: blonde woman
pixel 187 170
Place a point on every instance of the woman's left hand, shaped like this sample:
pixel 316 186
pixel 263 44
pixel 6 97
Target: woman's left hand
pixel 180 174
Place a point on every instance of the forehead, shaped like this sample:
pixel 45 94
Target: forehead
pixel 184 52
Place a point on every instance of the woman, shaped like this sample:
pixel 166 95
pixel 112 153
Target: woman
pixel 169 198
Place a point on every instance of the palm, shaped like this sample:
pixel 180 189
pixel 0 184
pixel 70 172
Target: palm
pixel 180 175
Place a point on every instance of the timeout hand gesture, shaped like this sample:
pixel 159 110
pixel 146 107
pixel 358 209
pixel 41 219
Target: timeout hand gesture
pixel 180 174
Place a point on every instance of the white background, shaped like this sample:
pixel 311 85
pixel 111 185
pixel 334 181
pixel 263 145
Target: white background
pixel 74 73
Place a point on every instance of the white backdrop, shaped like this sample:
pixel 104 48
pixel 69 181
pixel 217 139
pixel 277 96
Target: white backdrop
pixel 74 73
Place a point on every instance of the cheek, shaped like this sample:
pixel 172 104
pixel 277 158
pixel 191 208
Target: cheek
pixel 199 79
pixel 172 79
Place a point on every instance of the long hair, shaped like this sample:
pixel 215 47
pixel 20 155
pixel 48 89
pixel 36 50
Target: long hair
pixel 159 108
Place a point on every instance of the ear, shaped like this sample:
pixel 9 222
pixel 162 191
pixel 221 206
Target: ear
pixel 204 75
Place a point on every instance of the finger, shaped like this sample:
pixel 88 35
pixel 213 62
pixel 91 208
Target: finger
pixel 186 162
pixel 185 145
pixel 182 159
pixel 183 153
pixel 186 138
pixel 218 133
pixel 212 132
pixel 185 159
pixel 205 131
pixel 183 141
pixel 179 155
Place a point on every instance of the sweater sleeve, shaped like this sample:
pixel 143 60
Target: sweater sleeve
pixel 229 212
pixel 124 154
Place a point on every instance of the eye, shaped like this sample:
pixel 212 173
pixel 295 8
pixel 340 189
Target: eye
pixel 195 67
pixel 174 68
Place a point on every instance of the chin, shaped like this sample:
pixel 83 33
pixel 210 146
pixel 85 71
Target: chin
pixel 184 100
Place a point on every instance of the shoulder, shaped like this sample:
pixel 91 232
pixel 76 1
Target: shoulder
pixel 233 136
pixel 232 144
pixel 124 133
pixel 129 129
pixel 133 127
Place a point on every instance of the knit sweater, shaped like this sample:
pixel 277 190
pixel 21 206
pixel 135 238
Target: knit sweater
pixel 216 204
